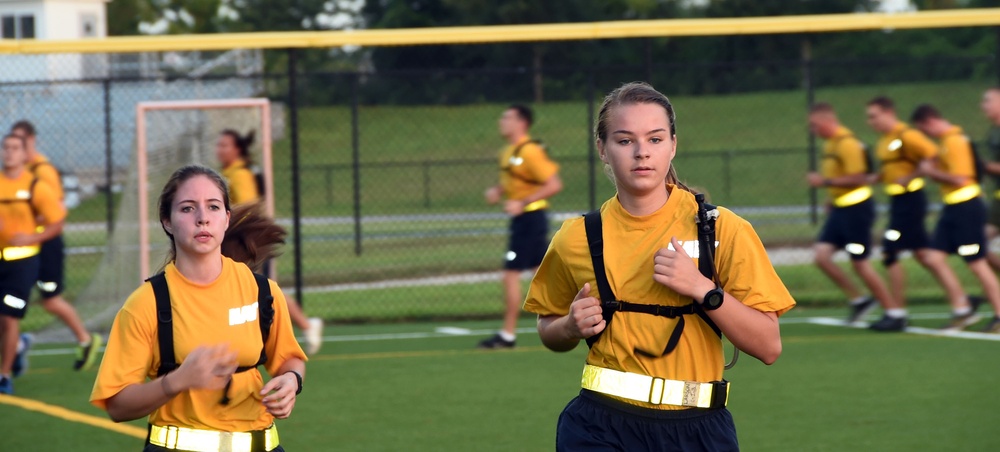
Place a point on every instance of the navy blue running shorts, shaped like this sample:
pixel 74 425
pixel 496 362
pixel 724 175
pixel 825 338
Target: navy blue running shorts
pixel 50 272
pixel 906 230
pixel 960 230
pixel 594 422
pixel 529 239
pixel 850 228
pixel 16 279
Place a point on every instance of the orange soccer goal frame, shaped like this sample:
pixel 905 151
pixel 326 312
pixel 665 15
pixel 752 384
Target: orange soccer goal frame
pixel 142 108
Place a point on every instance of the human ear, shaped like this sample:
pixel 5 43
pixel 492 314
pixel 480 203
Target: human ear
pixel 600 150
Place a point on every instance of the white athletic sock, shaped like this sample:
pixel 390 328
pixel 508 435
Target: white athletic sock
pixel 896 313
pixel 966 310
pixel 20 345
pixel 509 337
pixel 860 299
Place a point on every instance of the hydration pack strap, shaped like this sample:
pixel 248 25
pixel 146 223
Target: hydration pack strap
pixel 165 327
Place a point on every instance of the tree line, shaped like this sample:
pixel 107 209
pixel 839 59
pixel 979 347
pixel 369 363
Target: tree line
pixel 736 63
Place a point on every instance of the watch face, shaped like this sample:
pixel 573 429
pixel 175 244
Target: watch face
pixel 714 299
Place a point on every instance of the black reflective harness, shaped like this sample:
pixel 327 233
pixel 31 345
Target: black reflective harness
pixel 165 328
pixel 509 167
pixel 28 200
pixel 707 214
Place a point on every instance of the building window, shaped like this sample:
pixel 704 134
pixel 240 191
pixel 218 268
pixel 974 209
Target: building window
pixel 27 30
pixel 7 28
pixel 17 27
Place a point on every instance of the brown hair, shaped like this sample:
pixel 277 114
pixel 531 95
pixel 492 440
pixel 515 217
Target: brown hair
pixel 631 94
pixel 924 112
pixel 241 142
pixel 524 112
pixel 25 126
pixel 883 102
pixel 252 237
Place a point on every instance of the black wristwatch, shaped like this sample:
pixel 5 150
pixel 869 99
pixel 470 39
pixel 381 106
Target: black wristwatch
pixel 298 381
pixel 713 299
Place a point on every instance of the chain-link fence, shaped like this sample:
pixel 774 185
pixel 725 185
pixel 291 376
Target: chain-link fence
pixel 380 174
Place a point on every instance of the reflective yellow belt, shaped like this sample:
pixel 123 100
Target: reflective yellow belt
pixel 537 205
pixel 657 391
pixel 853 197
pixel 193 440
pixel 963 194
pixel 13 253
pixel 996 194
pixel 896 189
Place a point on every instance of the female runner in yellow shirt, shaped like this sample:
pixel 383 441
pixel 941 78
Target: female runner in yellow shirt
pixel 645 388
pixel 204 404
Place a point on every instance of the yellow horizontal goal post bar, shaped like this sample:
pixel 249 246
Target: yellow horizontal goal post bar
pixel 822 23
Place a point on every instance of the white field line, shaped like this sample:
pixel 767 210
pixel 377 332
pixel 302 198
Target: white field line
pixel 827 321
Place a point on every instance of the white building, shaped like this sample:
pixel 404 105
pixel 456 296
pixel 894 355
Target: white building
pixel 52 20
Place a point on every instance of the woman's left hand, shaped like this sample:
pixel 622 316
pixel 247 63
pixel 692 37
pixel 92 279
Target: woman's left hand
pixel 279 395
pixel 676 270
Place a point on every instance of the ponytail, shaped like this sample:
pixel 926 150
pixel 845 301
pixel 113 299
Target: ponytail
pixel 673 179
pixel 252 237
pixel 242 143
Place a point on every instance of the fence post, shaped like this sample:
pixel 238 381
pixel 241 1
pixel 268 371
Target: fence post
pixel 807 82
pixel 355 161
pixel 108 157
pixel 293 125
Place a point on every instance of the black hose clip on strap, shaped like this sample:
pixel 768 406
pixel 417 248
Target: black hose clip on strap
pixel 707 215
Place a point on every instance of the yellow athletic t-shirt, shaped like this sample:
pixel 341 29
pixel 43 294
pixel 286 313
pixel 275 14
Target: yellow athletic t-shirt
pixel 956 158
pixel 207 314
pixel 242 184
pixel 20 203
pixel 901 150
pixel 630 243
pixel 522 174
pixel 843 155
pixel 40 166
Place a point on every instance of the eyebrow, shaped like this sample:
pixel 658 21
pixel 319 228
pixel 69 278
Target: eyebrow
pixel 660 130
pixel 195 202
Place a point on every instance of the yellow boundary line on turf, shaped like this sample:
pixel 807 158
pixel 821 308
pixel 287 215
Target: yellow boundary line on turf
pixel 72 416
pixel 818 23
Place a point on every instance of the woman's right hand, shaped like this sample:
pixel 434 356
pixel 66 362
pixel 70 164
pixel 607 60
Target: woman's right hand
pixel 206 367
pixel 586 317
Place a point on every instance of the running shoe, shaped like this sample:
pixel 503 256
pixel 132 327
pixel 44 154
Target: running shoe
pixel 314 335
pixel 86 356
pixel 496 342
pixel 959 322
pixel 21 358
pixel 6 385
pixel 993 326
pixel 861 309
pixel 889 324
